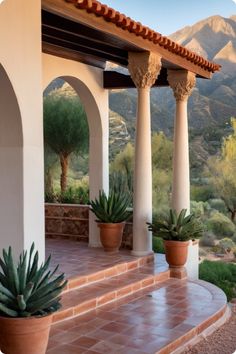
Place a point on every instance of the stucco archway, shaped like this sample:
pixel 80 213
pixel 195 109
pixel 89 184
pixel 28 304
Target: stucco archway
pixel 11 166
pixel 87 83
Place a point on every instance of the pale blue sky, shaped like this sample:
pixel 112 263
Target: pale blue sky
pixel 167 16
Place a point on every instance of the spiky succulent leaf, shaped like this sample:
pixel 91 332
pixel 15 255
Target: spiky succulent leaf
pixel 177 227
pixel 27 289
pixel 111 208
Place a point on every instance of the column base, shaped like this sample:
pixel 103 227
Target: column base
pixel 95 245
pixel 141 253
pixel 179 273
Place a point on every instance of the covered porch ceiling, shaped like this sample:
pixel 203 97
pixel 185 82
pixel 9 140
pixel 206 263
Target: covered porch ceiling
pixel 92 33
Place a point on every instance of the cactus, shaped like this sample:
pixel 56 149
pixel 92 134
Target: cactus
pixel 27 289
pixel 112 208
pixel 177 227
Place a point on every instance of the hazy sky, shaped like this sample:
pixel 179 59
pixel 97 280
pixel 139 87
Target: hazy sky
pixel 167 16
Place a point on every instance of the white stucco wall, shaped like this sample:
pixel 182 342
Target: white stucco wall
pixel 88 83
pixel 20 56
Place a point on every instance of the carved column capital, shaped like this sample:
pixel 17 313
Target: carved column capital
pixel 182 83
pixel 144 68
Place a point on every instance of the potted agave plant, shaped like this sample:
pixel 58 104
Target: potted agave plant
pixel 111 212
pixel 29 294
pixel 176 231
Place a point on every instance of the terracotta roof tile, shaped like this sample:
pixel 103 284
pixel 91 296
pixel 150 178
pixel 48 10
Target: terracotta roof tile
pixel 126 23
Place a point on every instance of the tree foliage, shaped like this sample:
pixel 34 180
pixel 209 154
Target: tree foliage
pixel 223 171
pixel 65 128
pixel 162 168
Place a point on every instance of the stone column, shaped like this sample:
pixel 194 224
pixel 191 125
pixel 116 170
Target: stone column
pixel 144 69
pixel 182 83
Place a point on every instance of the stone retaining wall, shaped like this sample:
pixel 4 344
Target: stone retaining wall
pixel 71 221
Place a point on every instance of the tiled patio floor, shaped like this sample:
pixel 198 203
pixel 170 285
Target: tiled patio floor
pixel 76 258
pixel 132 306
pixel 147 322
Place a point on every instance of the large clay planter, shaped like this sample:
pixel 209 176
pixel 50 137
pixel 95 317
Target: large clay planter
pixel 111 236
pixel 24 335
pixel 176 253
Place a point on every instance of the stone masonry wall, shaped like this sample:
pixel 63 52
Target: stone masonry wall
pixel 71 221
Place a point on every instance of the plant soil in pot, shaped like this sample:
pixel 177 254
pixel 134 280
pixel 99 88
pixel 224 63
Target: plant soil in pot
pixel 111 236
pixel 29 294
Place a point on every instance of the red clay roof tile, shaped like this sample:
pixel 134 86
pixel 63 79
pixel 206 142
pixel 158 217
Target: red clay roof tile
pixel 126 23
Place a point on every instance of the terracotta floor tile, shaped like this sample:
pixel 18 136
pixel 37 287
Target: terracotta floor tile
pixel 107 347
pixel 66 337
pixel 85 342
pixel 67 349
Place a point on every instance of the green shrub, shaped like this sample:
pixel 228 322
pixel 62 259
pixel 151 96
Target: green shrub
pixel 208 239
pixel 221 274
pixel 158 245
pixel 217 249
pixel 234 238
pixel 220 225
pixel 226 244
pixel 198 208
pixel 217 204
pixel 202 193
pixel 73 195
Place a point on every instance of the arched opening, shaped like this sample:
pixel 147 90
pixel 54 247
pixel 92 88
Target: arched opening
pixel 98 149
pixel 11 162
pixel 66 145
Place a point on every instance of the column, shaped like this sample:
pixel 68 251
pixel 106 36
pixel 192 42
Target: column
pixel 144 69
pixel 182 83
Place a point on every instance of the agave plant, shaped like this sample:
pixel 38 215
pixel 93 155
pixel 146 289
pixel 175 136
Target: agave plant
pixel 27 289
pixel 177 227
pixel 112 208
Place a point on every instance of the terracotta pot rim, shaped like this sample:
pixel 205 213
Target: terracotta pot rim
pixel 110 224
pixel 183 243
pixel 26 318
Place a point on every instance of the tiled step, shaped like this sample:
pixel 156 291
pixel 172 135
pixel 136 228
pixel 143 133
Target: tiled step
pixel 119 267
pixel 93 295
pixel 165 318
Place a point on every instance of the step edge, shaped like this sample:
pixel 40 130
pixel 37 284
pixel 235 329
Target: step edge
pixel 113 296
pixel 103 274
pixel 182 343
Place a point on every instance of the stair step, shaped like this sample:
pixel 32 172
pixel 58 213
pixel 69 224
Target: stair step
pixel 162 319
pixel 76 301
pixel 120 267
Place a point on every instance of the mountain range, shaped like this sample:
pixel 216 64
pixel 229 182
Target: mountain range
pixel 212 103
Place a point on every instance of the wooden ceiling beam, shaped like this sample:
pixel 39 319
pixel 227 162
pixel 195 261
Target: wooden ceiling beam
pixel 72 55
pixel 84 42
pixel 114 80
pixel 81 49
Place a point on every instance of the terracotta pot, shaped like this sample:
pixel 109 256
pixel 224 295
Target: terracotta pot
pixel 176 253
pixel 111 236
pixel 24 335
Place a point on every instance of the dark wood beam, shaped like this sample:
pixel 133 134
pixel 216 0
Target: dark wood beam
pixel 114 80
pixel 76 47
pixel 72 55
pixel 100 49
